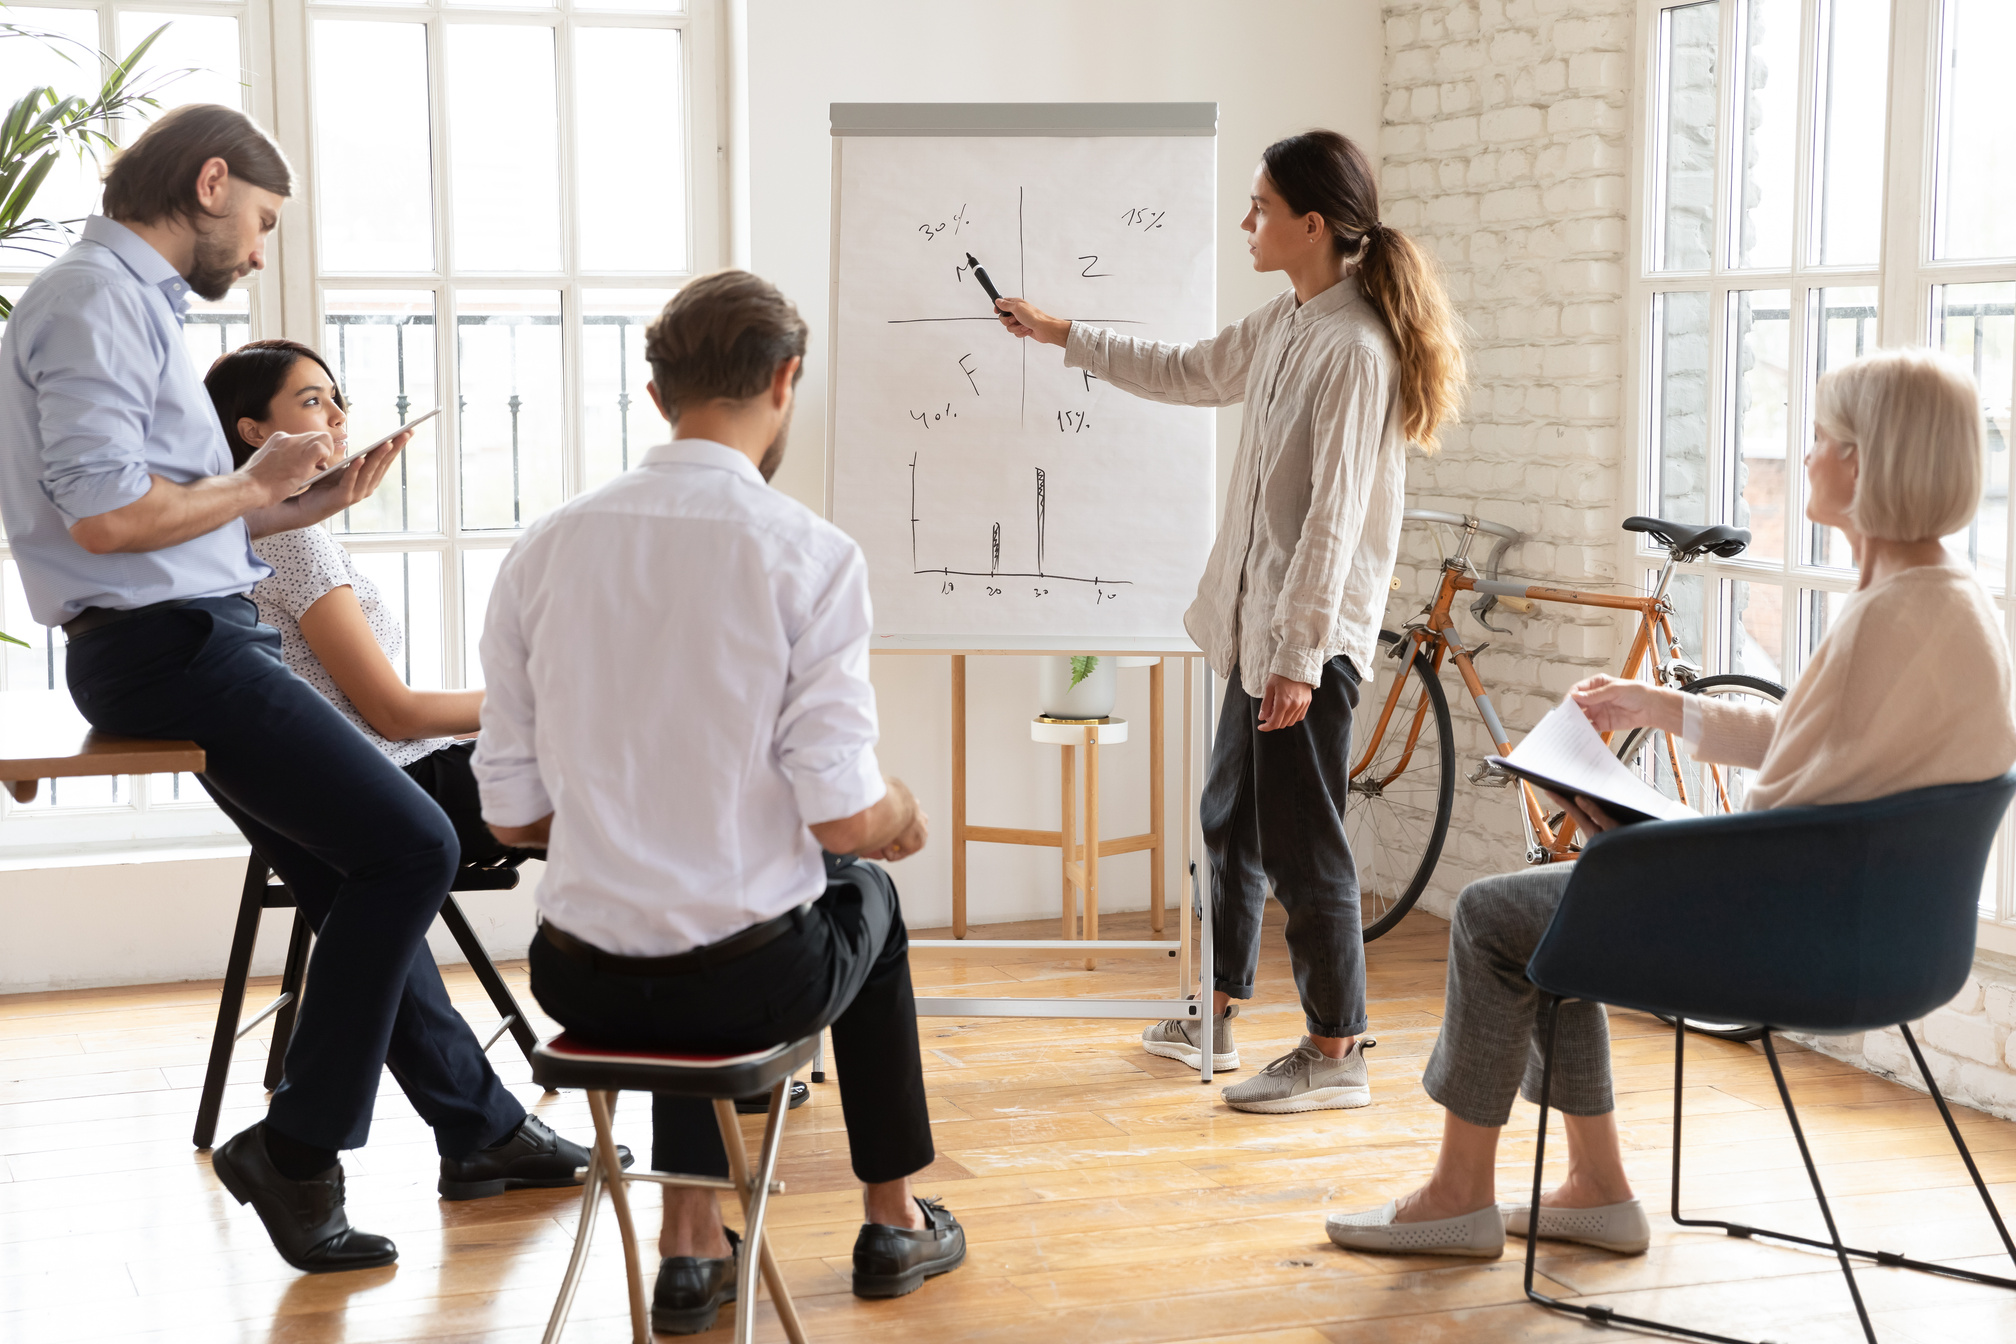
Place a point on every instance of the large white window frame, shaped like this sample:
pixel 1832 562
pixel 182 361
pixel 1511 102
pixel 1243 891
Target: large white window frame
pixel 1905 279
pixel 286 300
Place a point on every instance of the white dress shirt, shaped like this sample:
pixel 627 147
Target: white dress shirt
pixel 677 667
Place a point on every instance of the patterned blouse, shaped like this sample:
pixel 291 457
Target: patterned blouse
pixel 307 564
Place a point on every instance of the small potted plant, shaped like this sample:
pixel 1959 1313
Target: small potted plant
pixel 1079 688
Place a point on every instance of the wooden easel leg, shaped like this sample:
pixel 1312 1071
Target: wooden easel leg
pixel 602 1105
pixel 1183 882
pixel 1091 840
pixel 958 795
pixel 1067 829
pixel 1157 801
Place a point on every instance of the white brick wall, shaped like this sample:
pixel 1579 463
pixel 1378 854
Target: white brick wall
pixel 1505 152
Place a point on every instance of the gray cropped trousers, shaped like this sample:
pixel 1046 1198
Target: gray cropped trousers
pixel 1493 1035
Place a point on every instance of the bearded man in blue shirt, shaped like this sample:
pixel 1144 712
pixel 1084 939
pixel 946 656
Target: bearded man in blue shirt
pixel 133 533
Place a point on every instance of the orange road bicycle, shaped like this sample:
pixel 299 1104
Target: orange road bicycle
pixel 1403 782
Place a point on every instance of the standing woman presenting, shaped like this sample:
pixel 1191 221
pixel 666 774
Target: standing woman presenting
pixel 1339 373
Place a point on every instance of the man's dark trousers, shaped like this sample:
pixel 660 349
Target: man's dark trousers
pixel 844 964
pixel 367 853
pixel 1273 812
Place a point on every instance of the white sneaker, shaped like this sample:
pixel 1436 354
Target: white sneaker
pixel 1479 1235
pixel 1613 1227
pixel 1178 1038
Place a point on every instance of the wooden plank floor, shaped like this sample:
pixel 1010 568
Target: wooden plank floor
pixel 1107 1196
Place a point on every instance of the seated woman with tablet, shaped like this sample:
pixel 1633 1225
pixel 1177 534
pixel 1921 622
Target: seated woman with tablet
pixel 1910 688
pixel 336 631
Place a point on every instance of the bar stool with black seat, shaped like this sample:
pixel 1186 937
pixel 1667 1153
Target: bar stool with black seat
pixel 566 1061
pixel 1824 920
pixel 262 893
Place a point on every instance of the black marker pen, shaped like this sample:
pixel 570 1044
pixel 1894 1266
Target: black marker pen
pixel 980 274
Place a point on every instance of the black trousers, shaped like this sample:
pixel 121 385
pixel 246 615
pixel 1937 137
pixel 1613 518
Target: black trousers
pixel 369 857
pixel 449 777
pixel 1273 811
pixel 846 964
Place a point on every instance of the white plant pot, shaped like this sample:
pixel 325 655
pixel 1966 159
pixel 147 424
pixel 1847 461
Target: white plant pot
pixel 1091 698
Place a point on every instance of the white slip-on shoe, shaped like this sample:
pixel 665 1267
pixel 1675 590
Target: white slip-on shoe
pixel 1479 1235
pixel 1613 1227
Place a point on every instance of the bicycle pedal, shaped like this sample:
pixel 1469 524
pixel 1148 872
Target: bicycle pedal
pixel 1489 776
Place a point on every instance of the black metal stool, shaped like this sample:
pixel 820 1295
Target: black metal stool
pixel 260 894
pixel 602 1073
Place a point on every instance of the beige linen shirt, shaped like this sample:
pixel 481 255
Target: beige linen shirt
pixel 1910 688
pixel 1303 560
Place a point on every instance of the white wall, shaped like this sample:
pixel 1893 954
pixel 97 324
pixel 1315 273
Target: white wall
pixel 1274 67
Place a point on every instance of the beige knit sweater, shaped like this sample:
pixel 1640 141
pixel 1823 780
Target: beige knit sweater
pixel 1910 688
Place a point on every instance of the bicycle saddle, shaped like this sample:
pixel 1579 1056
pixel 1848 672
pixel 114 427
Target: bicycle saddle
pixel 1688 541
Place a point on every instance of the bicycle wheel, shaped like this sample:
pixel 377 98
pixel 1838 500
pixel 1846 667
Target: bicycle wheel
pixel 1712 790
pixel 1403 786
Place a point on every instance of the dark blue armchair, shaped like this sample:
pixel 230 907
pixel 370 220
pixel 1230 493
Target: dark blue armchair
pixel 1829 920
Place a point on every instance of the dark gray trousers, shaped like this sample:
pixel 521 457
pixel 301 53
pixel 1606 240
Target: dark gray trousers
pixel 1273 812
pixel 1490 1046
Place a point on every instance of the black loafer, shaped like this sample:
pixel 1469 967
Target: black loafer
pixel 760 1103
pixel 305 1218
pixel 534 1157
pixel 892 1261
pixel 691 1289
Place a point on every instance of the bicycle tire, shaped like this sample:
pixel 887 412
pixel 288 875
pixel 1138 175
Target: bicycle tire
pixel 1399 867
pixel 1723 682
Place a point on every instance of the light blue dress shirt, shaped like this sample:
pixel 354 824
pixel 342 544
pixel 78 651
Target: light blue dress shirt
pixel 97 395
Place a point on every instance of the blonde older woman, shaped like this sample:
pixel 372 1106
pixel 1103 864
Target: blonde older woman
pixel 1910 688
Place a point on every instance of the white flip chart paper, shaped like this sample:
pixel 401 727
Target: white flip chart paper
pixel 993 490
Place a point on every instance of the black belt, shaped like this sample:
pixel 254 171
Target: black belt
pixel 732 948
pixel 97 618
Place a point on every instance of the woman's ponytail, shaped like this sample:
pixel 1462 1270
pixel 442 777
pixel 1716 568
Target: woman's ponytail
pixel 1322 172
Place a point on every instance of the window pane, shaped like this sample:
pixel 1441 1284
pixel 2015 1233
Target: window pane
pixel 373 165
pixel 212 329
pixel 508 362
pixel 204 45
pixel 1680 410
pixel 1976 324
pixel 1768 55
pixel 1976 209
pixel 69 64
pixel 1818 612
pixel 410 584
pixel 1843 327
pixel 1686 214
pixel 618 419
pixel 631 211
pixel 1853 94
pixel 504 148
pixel 479 575
pixel 39 667
pixel 634 6
pixel 1760 346
pixel 177 790
pixel 380 343
pixel 1753 640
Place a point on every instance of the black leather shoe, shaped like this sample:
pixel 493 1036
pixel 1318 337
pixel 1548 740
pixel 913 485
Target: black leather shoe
pixel 690 1290
pixel 760 1103
pixel 304 1218
pixel 534 1157
pixel 892 1261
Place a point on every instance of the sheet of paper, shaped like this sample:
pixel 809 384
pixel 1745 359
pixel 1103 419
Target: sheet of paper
pixel 1565 747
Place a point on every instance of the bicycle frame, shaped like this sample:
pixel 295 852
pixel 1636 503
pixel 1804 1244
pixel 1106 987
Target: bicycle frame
pixel 1432 635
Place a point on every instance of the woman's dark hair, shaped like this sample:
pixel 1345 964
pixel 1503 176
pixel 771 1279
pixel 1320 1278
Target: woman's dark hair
pixel 154 178
pixel 1323 173
pixel 243 383
pixel 722 337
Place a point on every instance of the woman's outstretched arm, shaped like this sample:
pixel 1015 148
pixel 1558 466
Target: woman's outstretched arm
pixel 1210 372
pixel 341 639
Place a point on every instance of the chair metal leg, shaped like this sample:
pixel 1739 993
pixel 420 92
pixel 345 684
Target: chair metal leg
pixel 501 997
pixel 1601 1315
pixel 591 1192
pixel 819 1059
pixel 755 1196
pixel 298 944
pixel 602 1105
pixel 1813 1175
pixel 1994 1214
pixel 231 1005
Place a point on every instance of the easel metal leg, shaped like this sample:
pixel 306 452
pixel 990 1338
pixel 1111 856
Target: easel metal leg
pixel 958 795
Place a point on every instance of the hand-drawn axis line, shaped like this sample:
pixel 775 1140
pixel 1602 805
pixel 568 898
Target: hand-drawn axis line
pixel 1042 510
